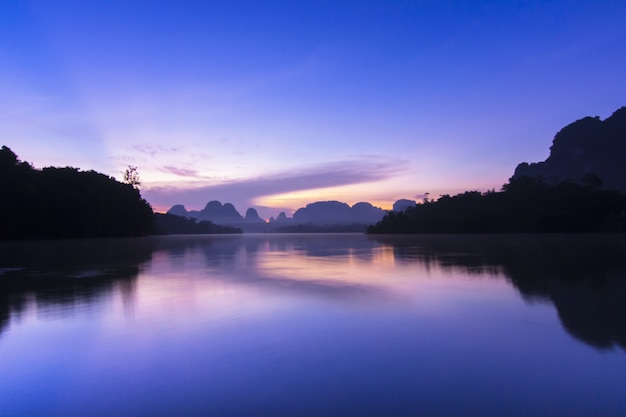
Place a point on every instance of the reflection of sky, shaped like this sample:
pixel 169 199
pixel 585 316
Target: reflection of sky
pixel 204 95
pixel 336 325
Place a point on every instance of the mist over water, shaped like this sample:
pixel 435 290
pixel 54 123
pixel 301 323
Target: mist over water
pixel 310 325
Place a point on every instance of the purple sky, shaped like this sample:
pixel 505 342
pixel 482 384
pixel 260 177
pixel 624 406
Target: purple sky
pixel 277 104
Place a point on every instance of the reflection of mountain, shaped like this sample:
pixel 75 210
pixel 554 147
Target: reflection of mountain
pixel 247 260
pixel 226 250
pixel 583 275
pixel 322 216
pixel 588 145
pixel 67 274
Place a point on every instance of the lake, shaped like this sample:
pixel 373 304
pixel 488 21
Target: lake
pixel 314 325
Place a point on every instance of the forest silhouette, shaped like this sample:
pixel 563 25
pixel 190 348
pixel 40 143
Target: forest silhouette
pixel 167 224
pixel 525 205
pixel 578 188
pixel 66 202
pixel 58 203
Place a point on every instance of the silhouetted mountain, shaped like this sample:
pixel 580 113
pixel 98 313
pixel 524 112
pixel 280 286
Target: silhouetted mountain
pixel 223 215
pixel 323 212
pixel 403 204
pixel 366 213
pixel 178 210
pixel 587 146
pixel 252 216
pixel 220 214
pixel 213 211
pixel 328 216
pixel 281 218
pixel 562 194
pixel 336 213
pixel 169 224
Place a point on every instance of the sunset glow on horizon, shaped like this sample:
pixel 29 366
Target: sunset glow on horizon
pixel 277 104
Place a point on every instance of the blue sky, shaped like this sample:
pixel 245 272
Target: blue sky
pixel 276 104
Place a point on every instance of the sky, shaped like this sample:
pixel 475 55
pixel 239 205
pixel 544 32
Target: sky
pixel 276 104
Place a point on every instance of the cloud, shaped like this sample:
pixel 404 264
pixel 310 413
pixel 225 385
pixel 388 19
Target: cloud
pixel 183 172
pixel 240 192
pixel 153 150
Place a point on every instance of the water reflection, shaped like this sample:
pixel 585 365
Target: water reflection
pixel 63 278
pixel 584 276
pixel 324 265
pixel 284 325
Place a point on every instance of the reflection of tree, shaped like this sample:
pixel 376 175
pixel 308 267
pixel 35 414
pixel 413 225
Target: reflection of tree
pixel 595 313
pixel 61 276
pixel 583 275
pixel 223 250
pixel 58 276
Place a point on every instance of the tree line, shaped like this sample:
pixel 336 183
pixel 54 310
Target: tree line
pixel 56 203
pixel 524 205
pixel 66 202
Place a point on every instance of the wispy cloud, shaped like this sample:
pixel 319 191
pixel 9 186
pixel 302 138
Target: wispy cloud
pixel 241 192
pixel 182 172
pixel 153 150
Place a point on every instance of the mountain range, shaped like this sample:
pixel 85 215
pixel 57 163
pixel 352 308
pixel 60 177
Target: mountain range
pixel 321 215
pixel 589 150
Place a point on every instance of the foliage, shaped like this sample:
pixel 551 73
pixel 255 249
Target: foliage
pixel 169 224
pixel 131 176
pixel 67 203
pixel 524 205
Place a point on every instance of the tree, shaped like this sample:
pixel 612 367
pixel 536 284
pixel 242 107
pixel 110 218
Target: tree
pixel 591 180
pixel 131 176
pixel 68 203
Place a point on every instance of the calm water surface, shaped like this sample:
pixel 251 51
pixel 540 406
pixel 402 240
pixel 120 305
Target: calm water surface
pixel 314 325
